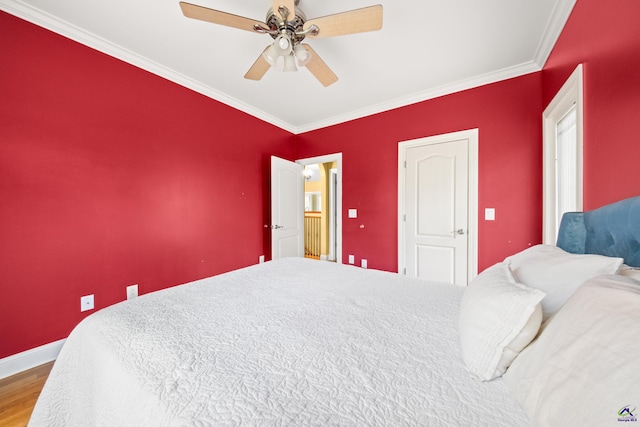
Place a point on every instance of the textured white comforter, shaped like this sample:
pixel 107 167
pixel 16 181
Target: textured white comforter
pixel 288 342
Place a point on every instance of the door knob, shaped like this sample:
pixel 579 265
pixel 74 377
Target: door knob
pixel 460 231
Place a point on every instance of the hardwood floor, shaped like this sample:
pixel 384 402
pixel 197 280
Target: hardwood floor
pixel 18 395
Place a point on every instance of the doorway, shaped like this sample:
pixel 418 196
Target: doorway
pixel 323 207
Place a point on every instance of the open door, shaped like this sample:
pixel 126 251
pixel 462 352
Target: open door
pixel 287 209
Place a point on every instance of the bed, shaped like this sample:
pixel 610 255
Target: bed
pixel 303 342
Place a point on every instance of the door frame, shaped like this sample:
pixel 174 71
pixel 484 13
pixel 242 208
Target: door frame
pixel 329 158
pixel 471 135
pixel 333 213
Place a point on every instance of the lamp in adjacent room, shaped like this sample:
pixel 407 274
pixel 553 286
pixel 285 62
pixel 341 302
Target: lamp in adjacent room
pixel 308 173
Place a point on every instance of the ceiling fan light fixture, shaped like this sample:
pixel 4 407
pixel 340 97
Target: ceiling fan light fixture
pixel 282 45
pixel 270 55
pixel 290 63
pixel 302 55
pixel 288 26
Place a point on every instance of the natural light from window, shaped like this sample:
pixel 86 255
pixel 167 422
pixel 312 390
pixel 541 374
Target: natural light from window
pixel 566 166
pixel 562 156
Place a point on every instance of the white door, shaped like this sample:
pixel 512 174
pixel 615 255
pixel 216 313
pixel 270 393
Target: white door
pixel 436 212
pixel 287 209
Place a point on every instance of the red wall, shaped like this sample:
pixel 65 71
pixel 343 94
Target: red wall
pixel 605 37
pixel 508 116
pixel 112 176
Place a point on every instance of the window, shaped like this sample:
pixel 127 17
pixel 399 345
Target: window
pixel 566 165
pixel 562 152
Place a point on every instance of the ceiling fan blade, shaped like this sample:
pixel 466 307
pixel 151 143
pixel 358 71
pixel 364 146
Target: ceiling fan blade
pixel 217 17
pixel 259 68
pixel 288 4
pixel 351 22
pixel 319 69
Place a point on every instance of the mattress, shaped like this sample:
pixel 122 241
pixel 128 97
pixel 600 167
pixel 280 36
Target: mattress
pixel 287 342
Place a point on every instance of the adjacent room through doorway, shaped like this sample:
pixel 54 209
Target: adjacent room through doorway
pixel 322 207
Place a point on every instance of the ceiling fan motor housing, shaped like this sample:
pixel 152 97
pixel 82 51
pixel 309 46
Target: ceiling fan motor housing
pixel 293 27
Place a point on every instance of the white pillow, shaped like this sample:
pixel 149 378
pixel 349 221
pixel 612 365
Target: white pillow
pixel 558 273
pixel 584 367
pixel 498 318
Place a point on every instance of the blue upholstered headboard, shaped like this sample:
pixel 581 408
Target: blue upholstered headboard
pixel 612 230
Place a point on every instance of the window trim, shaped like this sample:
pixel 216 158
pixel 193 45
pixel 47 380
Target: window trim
pixel 571 93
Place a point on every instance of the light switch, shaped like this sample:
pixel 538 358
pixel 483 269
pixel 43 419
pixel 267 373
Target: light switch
pixel 489 214
pixel 353 213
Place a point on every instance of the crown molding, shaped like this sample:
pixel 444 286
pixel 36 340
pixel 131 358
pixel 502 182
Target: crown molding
pixel 558 19
pixel 66 29
pixel 414 98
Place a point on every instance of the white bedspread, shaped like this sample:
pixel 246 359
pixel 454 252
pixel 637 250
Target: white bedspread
pixel 288 342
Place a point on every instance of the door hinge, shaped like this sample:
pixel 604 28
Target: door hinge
pixel 405 164
pixel 404 217
pixel 404 271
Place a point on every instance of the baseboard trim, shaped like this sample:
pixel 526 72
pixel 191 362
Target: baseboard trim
pixel 30 359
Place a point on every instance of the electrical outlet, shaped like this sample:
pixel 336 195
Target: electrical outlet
pixel 132 291
pixel 352 259
pixel 261 259
pixel 364 263
pixel 86 302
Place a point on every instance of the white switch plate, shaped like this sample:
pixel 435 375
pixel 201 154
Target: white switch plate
pixel 132 291
pixel 490 214
pixel 353 213
pixel 261 259
pixel 86 302
pixel 364 263
pixel 352 259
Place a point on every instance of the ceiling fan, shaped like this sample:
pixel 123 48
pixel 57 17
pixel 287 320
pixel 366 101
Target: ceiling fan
pixel 288 26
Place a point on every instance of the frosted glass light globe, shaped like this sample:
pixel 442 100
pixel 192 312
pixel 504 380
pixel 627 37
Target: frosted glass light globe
pixel 283 43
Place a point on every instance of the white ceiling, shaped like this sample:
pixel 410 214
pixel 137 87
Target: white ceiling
pixel 425 49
